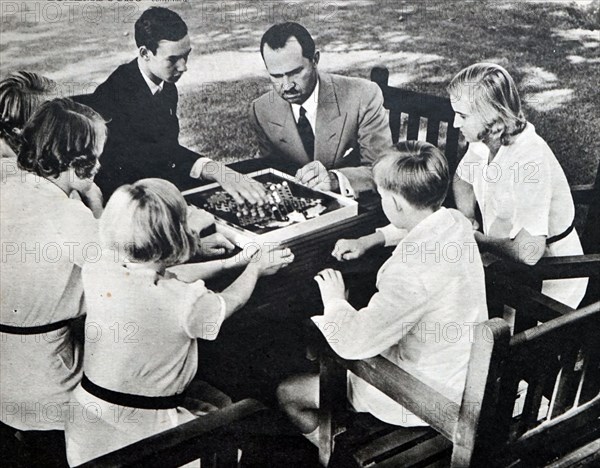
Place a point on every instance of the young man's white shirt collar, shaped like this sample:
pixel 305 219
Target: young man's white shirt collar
pixel 310 106
pixel 154 88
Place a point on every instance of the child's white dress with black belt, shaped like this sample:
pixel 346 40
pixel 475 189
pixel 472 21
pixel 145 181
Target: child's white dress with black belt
pixel 141 341
pixel 46 237
pixel 524 187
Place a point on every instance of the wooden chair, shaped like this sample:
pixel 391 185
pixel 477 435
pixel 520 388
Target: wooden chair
pixel 506 274
pixel 214 439
pixel 413 110
pixel 559 359
pixel 589 230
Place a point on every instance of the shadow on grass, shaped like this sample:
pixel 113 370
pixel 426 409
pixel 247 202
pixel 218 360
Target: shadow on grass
pixel 551 48
pixel 544 46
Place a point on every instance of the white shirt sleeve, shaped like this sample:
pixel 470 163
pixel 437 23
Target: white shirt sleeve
pixel 345 188
pixel 203 311
pixel 196 171
pixel 532 197
pixel 469 164
pixel 390 314
pixel 392 234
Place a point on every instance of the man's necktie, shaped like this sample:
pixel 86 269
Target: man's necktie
pixel 306 133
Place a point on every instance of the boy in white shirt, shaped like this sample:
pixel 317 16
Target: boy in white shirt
pixel 430 293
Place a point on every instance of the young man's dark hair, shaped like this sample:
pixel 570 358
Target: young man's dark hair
pixel 157 24
pixel 277 35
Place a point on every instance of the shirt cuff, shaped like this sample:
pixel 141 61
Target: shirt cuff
pixel 392 234
pixel 198 166
pixel 222 310
pixel 345 188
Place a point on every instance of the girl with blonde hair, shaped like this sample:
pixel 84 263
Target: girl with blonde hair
pixel 514 177
pixel 143 354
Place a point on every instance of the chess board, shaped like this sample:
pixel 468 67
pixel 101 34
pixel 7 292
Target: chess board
pixel 292 210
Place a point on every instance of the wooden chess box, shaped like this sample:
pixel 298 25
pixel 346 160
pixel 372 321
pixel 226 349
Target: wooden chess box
pixel 289 215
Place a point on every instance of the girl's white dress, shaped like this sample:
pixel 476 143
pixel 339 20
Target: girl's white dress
pixel 524 187
pixel 141 331
pixel 46 238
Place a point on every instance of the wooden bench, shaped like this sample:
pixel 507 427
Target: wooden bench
pixel 214 439
pixel 559 360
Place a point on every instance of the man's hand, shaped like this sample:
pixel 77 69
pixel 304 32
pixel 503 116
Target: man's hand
pixel 316 176
pixel 239 186
pixel 214 245
pixel 331 285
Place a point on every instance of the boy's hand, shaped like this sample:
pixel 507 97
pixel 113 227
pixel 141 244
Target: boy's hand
pixel 214 245
pixel 349 249
pixel 268 260
pixel 331 285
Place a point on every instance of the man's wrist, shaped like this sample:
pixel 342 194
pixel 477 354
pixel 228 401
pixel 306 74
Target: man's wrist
pixel 212 170
pixel 330 302
pixel 197 169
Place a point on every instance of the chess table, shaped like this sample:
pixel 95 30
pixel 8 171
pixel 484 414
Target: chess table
pixel 266 341
pixel 312 253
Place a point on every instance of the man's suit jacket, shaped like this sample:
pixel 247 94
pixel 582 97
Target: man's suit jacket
pixel 143 132
pixel 352 129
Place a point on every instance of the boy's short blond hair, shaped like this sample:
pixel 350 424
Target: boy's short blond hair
pixel 416 170
pixel 147 222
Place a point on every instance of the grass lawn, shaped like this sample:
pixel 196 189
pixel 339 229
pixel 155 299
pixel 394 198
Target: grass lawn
pixel 551 48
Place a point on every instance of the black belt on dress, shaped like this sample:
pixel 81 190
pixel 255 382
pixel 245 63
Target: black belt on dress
pixel 562 235
pixel 130 400
pixel 34 330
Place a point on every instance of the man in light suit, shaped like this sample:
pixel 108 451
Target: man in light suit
pixel 328 128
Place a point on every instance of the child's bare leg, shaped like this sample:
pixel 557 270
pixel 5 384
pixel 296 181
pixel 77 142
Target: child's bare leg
pixel 298 396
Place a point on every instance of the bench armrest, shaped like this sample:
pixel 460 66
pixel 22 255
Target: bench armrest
pixel 187 442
